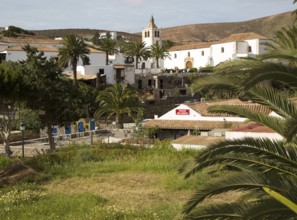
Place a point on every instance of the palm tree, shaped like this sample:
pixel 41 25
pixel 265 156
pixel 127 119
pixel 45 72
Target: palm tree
pixel 159 52
pixel 266 170
pixel 168 44
pixel 256 159
pixel 73 49
pixel 118 101
pixel 106 44
pixel 137 49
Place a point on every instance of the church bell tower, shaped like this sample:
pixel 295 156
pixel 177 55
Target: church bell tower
pixel 151 34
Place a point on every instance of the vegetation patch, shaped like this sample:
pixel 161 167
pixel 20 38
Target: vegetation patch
pixel 102 182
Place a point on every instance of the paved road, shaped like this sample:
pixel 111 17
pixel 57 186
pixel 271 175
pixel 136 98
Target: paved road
pixel 40 146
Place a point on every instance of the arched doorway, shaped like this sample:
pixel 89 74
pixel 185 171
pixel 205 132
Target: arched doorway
pixel 189 64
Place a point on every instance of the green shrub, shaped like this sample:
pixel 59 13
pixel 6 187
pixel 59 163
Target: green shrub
pixel 5 161
pixel 193 70
pixel 9 33
pixel 207 69
pixel 86 155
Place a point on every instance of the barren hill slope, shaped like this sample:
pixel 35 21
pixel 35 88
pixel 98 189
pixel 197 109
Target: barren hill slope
pixel 213 31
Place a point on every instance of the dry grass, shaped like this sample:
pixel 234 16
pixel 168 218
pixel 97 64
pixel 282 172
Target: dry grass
pixel 126 190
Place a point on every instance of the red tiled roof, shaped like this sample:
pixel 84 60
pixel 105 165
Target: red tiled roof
pixel 231 38
pixel 39 48
pixel 81 77
pixel 242 37
pixel 191 124
pixel 191 46
pixel 44 49
pixel 254 128
pixel 202 107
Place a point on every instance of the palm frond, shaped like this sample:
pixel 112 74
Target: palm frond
pixel 272 99
pixel 272 122
pixel 259 209
pixel 215 82
pixel 282 199
pixel 249 163
pixel 284 41
pixel 269 70
pixel 291 128
pixel 245 182
pixel 263 148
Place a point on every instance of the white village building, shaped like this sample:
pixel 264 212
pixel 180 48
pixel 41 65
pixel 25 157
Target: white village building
pixel 253 131
pixel 202 54
pixel 197 55
pixel 193 55
pixel 195 118
pixel 16 53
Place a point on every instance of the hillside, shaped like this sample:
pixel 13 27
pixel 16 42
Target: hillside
pixel 265 26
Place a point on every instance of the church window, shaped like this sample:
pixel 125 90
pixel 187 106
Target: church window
pixel 202 53
pixel 189 54
pixel 222 49
pixel 175 56
pixel 148 34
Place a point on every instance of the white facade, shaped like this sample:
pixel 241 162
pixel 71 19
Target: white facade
pixel 19 55
pixel 217 52
pixel 188 146
pixel 97 58
pixel 16 53
pixel 127 73
pixel 112 34
pixel 116 59
pixel 184 112
pixel 231 135
pixel 179 59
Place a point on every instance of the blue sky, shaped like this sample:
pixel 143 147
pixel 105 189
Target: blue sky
pixel 133 15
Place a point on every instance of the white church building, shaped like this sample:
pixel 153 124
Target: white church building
pixel 202 54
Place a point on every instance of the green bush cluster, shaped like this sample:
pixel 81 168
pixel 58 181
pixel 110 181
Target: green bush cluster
pixel 5 161
pixel 207 69
pixel 18 30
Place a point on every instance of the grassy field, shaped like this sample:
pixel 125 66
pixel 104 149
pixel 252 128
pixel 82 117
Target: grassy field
pixel 103 182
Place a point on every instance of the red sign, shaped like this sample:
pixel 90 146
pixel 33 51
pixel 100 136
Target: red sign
pixel 182 111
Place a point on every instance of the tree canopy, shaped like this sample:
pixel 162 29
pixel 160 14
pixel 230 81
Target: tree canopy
pixel 105 44
pixel 117 101
pixel 138 50
pixel 12 91
pixel 52 94
pixel 159 52
pixel 73 49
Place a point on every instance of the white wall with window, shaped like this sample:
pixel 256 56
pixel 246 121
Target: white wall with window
pixel 216 52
